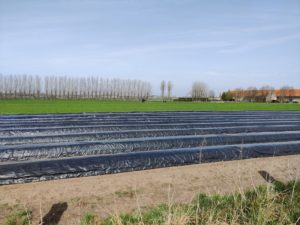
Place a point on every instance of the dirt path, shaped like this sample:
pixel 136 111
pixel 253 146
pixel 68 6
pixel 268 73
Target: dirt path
pixel 126 192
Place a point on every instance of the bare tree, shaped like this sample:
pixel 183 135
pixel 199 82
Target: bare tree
pixel 162 89
pixel 291 93
pixel 169 87
pixel 265 91
pixel 211 94
pixel 286 93
pixel 199 91
pixel 2 86
pixel 251 94
pixel 238 94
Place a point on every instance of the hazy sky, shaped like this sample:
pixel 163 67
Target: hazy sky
pixel 226 44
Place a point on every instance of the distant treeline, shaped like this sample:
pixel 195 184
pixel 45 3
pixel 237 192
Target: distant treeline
pixel 34 86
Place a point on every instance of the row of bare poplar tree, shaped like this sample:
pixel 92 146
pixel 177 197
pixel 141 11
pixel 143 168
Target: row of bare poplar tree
pixel 166 86
pixel 22 86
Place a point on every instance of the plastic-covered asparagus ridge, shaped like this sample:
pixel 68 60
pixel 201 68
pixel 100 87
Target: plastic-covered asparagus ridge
pixel 55 146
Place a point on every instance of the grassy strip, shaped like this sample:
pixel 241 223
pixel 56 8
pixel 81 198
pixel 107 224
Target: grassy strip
pixel 35 106
pixel 21 217
pixel 266 205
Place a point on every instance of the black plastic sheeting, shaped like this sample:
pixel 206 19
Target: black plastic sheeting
pixel 203 122
pixel 54 146
pixel 144 118
pixel 146 121
pixel 271 114
pixel 26 138
pixel 41 151
pixel 97 165
pixel 99 128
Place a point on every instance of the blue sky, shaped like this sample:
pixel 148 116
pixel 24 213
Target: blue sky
pixel 226 44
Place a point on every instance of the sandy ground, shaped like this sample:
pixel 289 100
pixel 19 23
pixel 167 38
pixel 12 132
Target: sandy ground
pixel 126 192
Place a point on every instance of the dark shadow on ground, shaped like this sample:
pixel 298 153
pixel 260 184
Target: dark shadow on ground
pixel 54 214
pixel 267 176
pixel 278 185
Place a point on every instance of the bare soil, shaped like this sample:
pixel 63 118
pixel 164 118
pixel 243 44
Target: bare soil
pixel 126 192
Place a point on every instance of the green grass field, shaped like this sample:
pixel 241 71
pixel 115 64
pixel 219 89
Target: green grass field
pixel 35 106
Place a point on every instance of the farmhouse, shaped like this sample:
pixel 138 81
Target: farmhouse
pixel 291 96
pixel 254 95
